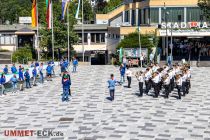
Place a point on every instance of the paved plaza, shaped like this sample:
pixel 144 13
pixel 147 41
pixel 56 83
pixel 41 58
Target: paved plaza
pixel 89 115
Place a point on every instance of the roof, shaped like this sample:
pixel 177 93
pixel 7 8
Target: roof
pixel 91 27
pixel 15 27
pixel 25 31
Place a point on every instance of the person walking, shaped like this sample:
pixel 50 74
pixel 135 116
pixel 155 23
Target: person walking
pixel 21 78
pixel 129 75
pixel 66 86
pixel 14 81
pixel 69 77
pixel 166 84
pixel 27 78
pixel 2 83
pixel 140 78
pixel 122 73
pixel 75 64
pixel 34 73
pixel 5 70
pixel 179 85
pixel 49 72
pixel 111 86
pixel 13 69
pixel 155 80
pixel 147 78
pixel 41 73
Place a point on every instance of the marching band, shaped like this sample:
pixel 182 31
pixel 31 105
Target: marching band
pixel 166 78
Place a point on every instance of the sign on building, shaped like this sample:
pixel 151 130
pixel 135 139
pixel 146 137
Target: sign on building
pixel 185 32
pixel 185 25
pixel 25 20
pixel 135 52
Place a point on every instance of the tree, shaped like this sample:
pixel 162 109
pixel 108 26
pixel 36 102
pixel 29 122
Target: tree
pixel 205 6
pixel 60 30
pixel 104 7
pixel 132 41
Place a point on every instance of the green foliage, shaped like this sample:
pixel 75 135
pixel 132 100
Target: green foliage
pixel 88 12
pixel 104 7
pixel 4 50
pixel 205 6
pixel 132 41
pixel 22 55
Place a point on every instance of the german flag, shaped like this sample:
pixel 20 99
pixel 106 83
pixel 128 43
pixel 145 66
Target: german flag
pixel 34 13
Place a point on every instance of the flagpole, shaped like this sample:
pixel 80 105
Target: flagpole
pixel 37 28
pixel 83 48
pixel 53 55
pixel 140 46
pixel 68 32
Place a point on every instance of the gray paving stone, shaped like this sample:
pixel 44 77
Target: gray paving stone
pixel 95 117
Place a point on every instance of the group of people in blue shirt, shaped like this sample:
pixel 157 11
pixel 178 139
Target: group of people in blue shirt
pixel 25 76
pixel 64 64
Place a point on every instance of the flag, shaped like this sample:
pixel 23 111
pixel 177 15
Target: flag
pixel 49 14
pixel 64 7
pixel 77 13
pixel 34 14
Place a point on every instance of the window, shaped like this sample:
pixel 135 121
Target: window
pixel 93 38
pixel 102 37
pixel 85 37
pixel 7 39
pixel 133 17
pixel 194 14
pixel 154 15
pixel 176 14
pixel 98 38
pixel 126 16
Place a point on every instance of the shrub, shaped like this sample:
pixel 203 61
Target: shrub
pixel 4 50
pixel 22 55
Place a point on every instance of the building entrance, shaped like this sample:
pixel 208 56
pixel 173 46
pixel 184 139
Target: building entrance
pixel 189 48
pixel 98 57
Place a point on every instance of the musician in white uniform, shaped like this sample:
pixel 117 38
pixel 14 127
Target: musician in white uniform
pixel 140 78
pixel 166 83
pixel 155 80
pixel 179 85
pixel 147 80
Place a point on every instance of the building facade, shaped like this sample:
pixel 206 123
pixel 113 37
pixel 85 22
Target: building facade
pixel 95 43
pixel 177 23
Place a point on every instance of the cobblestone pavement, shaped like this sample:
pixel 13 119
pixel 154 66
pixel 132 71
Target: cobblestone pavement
pixel 92 116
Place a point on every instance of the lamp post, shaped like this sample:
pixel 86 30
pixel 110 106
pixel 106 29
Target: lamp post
pixel 171 40
pixel 83 48
pixel 140 46
pixel 166 20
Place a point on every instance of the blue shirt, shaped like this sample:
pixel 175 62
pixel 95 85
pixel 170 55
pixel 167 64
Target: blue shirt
pixel 14 80
pixel 66 63
pixel 111 84
pixel 5 70
pixel 13 69
pixel 27 76
pixel 75 62
pixel 49 69
pixel 37 64
pixel 21 75
pixel 122 71
pixel 66 83
pixel 2 80
pixel 34 72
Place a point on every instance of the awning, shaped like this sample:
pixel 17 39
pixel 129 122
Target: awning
pixel 25 31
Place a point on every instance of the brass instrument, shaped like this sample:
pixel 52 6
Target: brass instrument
pixel 177 77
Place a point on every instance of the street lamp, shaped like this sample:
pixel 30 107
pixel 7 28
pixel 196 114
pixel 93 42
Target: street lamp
pixel 166 20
